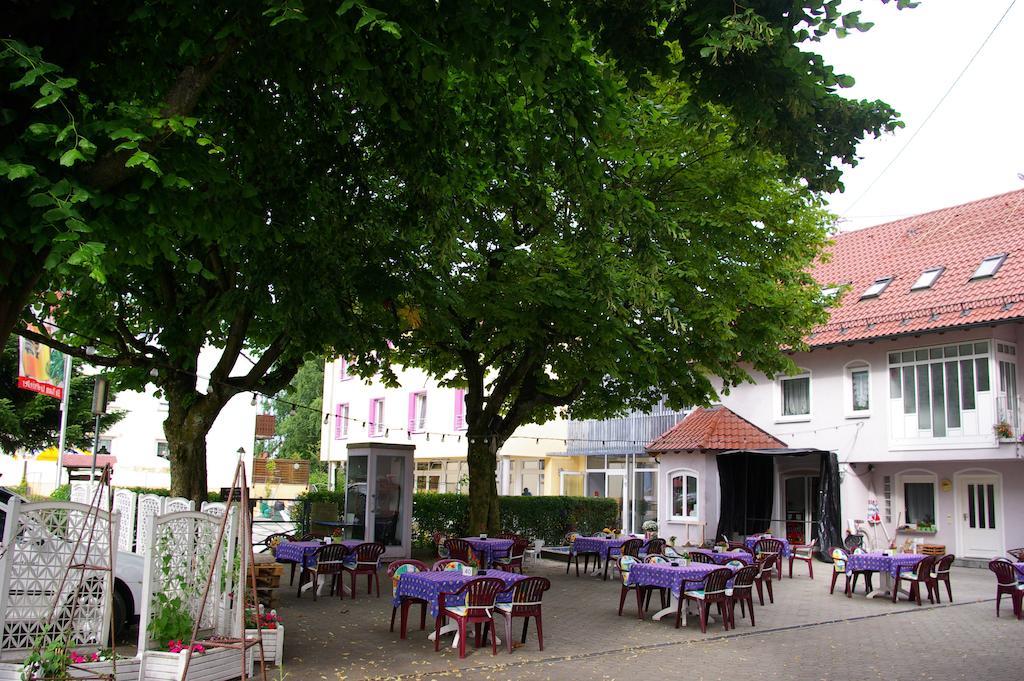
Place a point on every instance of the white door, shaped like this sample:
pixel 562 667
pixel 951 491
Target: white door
pixel 981 518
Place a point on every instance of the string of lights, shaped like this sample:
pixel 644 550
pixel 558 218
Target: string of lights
pixel 386 430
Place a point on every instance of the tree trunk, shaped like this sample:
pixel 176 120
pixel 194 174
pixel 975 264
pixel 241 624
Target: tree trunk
pixel 483 490
pixel 186 429
pixel 20 272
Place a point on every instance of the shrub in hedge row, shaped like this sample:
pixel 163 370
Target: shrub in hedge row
pixel 547 518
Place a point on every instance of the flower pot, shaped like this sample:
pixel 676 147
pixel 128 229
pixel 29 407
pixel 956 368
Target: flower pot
pixel 273 645
pixel 127 670
pixel 217 664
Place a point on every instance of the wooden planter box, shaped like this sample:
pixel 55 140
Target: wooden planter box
pixel 273 646
pixel 128 669
pixel 216 664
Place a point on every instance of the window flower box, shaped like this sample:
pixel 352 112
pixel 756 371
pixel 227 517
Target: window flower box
pixel 273 645
pixel 216 664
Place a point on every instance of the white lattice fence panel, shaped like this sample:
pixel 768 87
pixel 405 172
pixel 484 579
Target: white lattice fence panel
pixel 149 506
pixel 215 508
pixel 37 577
pixel 178 562
pixel 81 492
pixel 124 505
pixel 177 504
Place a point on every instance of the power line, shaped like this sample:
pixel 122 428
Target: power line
pixel 932 112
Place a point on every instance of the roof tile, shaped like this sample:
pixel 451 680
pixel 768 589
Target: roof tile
pixel 956 238
pixel 715 428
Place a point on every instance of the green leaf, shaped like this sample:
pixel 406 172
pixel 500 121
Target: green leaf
pixel 46 100
pixel 17 171
pixel 69 157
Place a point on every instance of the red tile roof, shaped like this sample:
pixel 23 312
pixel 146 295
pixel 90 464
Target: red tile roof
pixel 956 238
pixel 716 428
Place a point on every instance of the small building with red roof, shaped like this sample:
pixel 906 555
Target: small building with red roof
pixel 913 384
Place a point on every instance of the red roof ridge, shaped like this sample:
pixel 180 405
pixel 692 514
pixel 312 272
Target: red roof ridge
pixel 918 216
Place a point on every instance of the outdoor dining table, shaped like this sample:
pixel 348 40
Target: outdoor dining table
pixel 887 566
pixel 723 557
pixel 671 577
pixel 304 553
pixel 602 546
pixel 489 549
pixel 428 586
pixel 751 541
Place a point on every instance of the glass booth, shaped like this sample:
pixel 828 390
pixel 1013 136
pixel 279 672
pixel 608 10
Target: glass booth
pixel 378 495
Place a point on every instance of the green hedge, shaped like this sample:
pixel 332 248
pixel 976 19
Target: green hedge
pixel 303 503
pixel 547 518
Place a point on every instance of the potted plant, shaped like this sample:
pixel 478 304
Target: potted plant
pixel 271 629
pixel 672 541
pixel 1004 431
pixel 650 528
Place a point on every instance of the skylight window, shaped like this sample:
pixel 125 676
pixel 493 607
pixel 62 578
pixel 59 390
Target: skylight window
pixel 829 292
pixel 927 279
pixel 989 266
pixel 876 289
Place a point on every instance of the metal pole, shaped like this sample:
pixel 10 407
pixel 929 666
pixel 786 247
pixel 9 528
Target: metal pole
pixel 63 416
pixel 95 449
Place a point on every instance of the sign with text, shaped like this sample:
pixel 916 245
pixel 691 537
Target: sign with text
pixel 40 369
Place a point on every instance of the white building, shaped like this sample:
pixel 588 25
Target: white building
pixel 422 413
pixel 912 383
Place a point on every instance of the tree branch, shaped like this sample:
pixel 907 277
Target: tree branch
pixel 181 99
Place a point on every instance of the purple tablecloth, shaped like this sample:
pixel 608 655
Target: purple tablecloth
pixel 723 558
pixel 877 562
pixel 668 576
pixel 600 545
pixel 787 550
pixel 489 549
pixel 304 552
pixel 428 585
pixel 1020 569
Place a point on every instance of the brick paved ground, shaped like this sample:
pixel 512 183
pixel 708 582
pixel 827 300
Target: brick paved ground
pixel 806 634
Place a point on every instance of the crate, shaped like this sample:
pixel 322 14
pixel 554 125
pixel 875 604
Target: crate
pixel 932 549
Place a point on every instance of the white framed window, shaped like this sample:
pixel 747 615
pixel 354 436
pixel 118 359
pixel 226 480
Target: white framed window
pixel 941 388
pixel 341 421
pixel 417 412
pixel 343 366
pixel 684 493
pixel 162 450
pixel 927 279
pixel 375 427
pixel 570 483
pixel 989 266
pixel 858 390
pixel 876 288
pixel 794 397
pixel 918 499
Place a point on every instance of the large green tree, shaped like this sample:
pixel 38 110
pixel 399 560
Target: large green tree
pixel 671 254
pixel 256 176
pixel 31 422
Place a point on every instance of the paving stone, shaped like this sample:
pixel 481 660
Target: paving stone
pixel 806 634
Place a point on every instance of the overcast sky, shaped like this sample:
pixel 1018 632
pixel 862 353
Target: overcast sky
pixel 973 146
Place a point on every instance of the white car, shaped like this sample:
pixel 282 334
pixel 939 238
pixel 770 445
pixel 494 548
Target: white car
pixel 127 575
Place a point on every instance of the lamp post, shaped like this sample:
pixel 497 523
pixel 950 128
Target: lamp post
pixel 100 391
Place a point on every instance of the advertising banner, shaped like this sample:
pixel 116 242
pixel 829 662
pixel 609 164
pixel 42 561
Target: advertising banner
pixel 40 369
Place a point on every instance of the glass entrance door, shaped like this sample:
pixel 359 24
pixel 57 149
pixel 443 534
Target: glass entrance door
pixel 644 498
pixel 801 504
pixel 355 496
pixel 388 496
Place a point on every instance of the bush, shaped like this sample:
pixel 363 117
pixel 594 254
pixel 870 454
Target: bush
pixel 163 492
pixel 547 518
pixel 62 493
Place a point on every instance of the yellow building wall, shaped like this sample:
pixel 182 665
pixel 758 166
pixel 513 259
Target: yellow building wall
pixel 553 467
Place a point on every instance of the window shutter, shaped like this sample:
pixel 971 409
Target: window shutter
pixel 460 408
pixel 337 422
pixel 372 421
pixel 412 412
